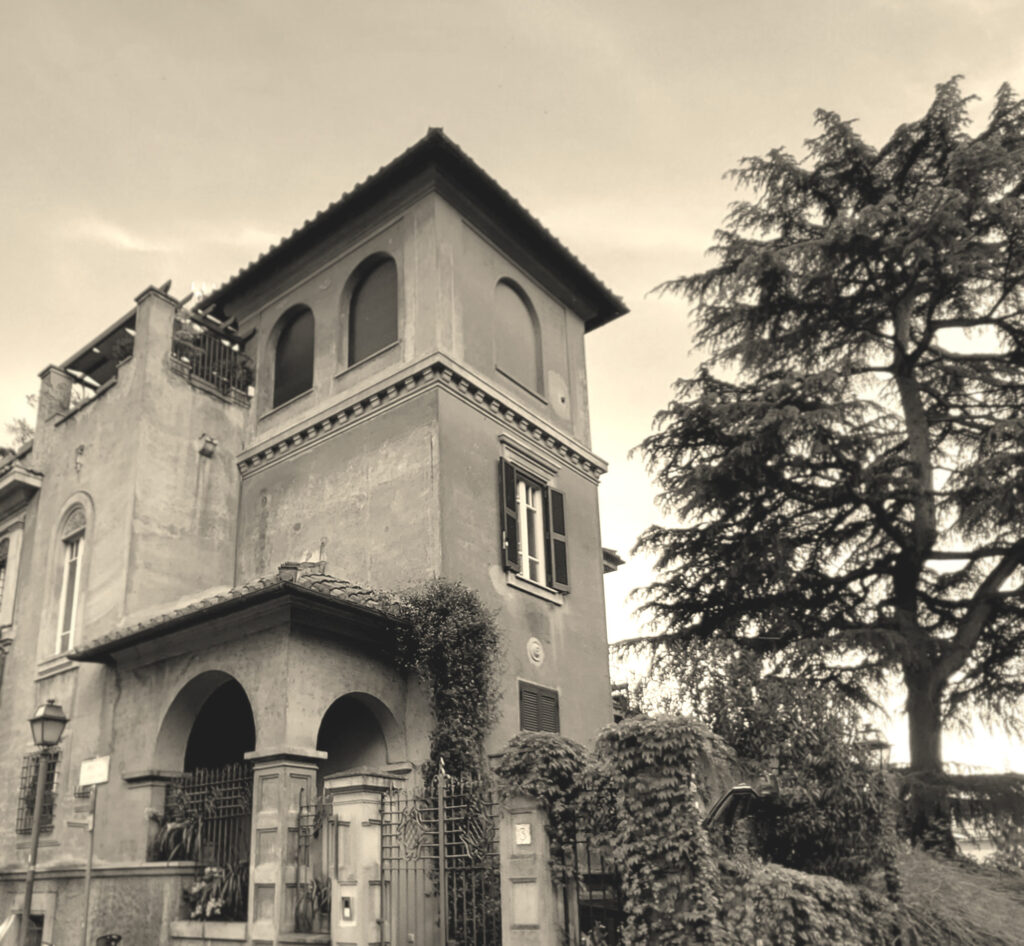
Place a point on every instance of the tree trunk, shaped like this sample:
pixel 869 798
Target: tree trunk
pixel 929 820
pixel 924 717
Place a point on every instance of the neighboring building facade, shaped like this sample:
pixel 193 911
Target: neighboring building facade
pixel 394 392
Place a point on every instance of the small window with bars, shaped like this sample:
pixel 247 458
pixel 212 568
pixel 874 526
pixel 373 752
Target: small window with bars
pixel 27 791
pixel 538 708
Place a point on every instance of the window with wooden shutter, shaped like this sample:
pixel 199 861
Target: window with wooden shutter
pixel 538 708
pixel 533 530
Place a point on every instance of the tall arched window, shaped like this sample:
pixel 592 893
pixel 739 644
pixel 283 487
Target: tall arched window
pixel 72 535
pixel 4 546
pixel 517 336
pixel 293 355
pixel 373 312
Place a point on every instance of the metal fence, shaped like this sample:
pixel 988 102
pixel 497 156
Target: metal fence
pixel 440 881
pixel 208 819
pixel 202 353
pixel 593 898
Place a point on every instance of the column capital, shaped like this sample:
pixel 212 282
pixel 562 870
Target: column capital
pixel 276 755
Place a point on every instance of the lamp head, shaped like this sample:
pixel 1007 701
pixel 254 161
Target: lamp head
pixel 48 724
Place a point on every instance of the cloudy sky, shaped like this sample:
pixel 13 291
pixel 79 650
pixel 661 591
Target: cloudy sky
pixel 145 142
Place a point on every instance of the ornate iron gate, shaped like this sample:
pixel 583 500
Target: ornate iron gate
pixel 440 882
pixel 592 898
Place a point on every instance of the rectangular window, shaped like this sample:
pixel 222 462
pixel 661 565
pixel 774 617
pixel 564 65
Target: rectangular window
pixel 3 573
pixel 533 529
pixel 538 708
pixel 73 548
pixel 27 791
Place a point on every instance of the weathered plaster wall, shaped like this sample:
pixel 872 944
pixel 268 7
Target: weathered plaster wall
pixel 367 496
pixel 477 269
pixel 572 633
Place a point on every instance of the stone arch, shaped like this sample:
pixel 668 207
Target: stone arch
pixel 358 731
pixel 176 743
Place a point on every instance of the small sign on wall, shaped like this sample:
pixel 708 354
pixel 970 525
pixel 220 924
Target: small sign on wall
pixel 524 834
pixel 94 771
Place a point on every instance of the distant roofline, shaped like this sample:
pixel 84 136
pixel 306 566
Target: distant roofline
pixel 436 150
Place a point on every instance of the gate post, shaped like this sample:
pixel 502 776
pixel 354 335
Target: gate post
pixel 530 902
pixel 281 777
pixel 354 853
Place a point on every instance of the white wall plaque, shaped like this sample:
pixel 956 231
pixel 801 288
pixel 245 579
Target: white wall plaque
pixel 95 771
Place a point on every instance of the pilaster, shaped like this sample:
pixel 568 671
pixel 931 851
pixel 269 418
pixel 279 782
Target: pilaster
pixel 355 800
pixel 282 779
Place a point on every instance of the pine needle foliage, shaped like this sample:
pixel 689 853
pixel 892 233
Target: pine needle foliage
pixel 846 469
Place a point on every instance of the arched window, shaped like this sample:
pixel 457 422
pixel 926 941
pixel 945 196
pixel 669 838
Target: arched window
pixel 517 336
pixel 373 312
pixel 4 545
pixel 72 535
pixel 293 355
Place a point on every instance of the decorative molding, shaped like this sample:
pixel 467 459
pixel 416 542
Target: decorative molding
pixel 74 523
pixel 438 372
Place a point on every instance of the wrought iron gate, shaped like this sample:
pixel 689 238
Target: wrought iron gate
pixel 440 883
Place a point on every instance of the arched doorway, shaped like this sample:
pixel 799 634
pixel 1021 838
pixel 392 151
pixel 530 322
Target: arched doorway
pixel 207 731
pixel 223 730
pixel 351 737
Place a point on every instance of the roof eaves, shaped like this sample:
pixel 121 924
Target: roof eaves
pixel 435 147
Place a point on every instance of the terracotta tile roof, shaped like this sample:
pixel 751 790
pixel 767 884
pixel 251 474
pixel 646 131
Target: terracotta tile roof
pixel 290 577
pixel 437 149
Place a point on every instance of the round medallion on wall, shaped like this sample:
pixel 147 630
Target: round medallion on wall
pixel 535 651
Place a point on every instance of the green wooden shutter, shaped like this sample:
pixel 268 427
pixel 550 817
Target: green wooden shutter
pixel 509 517
pixel 538 708
pixel 547 711
pixel 528 717
pixel 558 541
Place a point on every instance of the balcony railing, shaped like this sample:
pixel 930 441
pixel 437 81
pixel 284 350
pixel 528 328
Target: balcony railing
pixel 211 358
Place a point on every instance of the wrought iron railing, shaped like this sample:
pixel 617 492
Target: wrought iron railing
pixel 208 819
pixel 592 896
pixel 439 870
pixel 207 355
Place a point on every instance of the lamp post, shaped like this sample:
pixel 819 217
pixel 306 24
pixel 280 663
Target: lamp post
pixel 47 727
pixel 873 741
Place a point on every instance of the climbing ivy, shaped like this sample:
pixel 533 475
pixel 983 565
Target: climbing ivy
pixel 550 768
pixel 450 641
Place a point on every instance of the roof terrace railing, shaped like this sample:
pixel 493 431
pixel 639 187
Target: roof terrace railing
pixel 203 354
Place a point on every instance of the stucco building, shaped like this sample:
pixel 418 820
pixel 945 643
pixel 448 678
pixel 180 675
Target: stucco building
pixel 195 550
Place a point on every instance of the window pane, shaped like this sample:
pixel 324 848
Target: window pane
pixel 515 337
pixel 293 358
pixel 373 316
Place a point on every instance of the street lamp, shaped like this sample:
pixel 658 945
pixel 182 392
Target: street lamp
pixel 47 727
pixel 873 741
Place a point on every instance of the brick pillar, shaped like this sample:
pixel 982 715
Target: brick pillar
pixel 531 906
pixel 354 858
pixel 280 777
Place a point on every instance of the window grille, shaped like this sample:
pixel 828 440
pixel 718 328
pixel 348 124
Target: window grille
pixel 27 792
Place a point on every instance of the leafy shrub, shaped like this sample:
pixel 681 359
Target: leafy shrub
pixel 548 767
pixel 450 640
pixel 774 906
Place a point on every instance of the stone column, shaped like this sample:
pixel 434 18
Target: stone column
pixel 354 856
pixel 531 913
pixel 280 778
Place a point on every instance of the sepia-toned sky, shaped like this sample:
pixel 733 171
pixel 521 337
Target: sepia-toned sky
pixel 147 141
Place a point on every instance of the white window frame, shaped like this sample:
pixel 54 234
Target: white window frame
pixel 535 556
pixel 73 552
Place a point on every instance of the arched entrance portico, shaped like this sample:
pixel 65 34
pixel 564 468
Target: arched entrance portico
pixel 206 733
